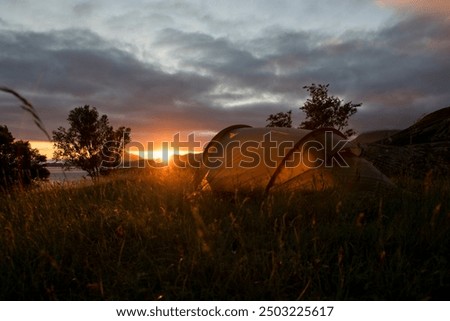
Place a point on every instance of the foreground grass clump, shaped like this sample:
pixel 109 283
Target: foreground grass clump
pixel 145 235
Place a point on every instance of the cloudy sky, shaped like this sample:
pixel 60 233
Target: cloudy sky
pixel 168 66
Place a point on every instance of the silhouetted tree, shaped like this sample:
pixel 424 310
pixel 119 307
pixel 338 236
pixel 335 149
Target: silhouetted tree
pixel 326 111
pixel 90 143
pixel 280 119
pixel 19 163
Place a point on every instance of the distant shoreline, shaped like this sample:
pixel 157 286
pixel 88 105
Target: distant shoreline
pixel 59 174
pixel 53 165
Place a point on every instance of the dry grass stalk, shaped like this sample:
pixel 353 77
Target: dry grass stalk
pixel 28 107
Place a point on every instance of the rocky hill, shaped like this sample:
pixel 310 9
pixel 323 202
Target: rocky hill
pixel 419 150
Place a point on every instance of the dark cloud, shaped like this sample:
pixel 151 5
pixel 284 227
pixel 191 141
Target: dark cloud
pixel 399 73
pixel 62 70
pixel 83 9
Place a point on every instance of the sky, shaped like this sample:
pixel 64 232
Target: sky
pixel 163 67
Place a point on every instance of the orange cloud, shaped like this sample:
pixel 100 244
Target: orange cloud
pixel 433 7
pixel 44 147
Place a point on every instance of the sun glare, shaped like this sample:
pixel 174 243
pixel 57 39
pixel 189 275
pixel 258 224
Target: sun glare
pixel 163 155
pixel 160 154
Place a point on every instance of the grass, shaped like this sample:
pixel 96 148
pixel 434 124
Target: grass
pixel 145 235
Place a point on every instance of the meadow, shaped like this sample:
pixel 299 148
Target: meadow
pixel 146 234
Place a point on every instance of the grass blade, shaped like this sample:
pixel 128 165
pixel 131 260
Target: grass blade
pixel 28 107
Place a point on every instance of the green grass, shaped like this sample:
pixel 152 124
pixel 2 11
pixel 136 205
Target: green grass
pixel 144 235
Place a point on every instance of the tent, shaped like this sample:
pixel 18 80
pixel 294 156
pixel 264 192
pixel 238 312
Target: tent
pixel 246 159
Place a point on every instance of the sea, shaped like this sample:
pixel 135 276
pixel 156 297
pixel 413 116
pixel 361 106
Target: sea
pixel 59 174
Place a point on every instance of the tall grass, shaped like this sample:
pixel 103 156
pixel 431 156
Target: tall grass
pixel 28 107
pixel 145 235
